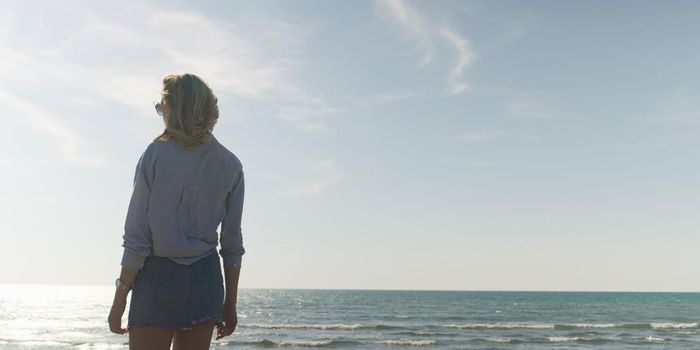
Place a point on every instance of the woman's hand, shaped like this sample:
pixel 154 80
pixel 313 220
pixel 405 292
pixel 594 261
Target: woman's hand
pixel 230 320
pixel 115 314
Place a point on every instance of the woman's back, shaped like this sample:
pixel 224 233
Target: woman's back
pixel 185 195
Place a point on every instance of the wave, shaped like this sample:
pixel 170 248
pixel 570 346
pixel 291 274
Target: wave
pixel 586 325
pixel 653 339
pixel 588 340
pixel 568 326
pixel 424 333
pixel 406 329
pixel 336 326
pixel 37 343
pixel 499 340
pixel 501 325
pixel 322 343
pixel 407 342
pixel 659 325
pixel 562 338
pixel 673 325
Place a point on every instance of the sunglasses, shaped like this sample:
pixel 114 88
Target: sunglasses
pixel 159 107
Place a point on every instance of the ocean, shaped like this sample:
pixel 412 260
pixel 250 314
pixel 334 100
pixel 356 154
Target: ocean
pixel 75 317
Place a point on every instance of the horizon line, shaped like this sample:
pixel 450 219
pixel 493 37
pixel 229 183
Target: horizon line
pixel 395 290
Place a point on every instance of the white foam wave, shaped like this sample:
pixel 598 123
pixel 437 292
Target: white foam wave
pixel 102 346
pixel 499 340
pixel 654 339
pixel 560 339
pixel 39 343
pixel 337 326
pixel 592 325
pixel 425 333
pixel 501 325
pixel 661 325
pixel 666 325
pixel 407 342
pixel 309 343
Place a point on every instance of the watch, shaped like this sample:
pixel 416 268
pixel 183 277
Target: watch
pixel 119 283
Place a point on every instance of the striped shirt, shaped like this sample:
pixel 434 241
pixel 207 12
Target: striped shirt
pixel 179 199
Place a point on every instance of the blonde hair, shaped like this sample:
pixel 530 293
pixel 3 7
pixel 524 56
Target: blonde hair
pixel 192 110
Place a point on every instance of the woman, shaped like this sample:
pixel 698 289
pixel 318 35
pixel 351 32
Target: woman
pixel 186 184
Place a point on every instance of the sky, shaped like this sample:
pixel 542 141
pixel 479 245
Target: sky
pixel 426 145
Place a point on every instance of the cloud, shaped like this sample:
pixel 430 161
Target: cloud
pixel 72 148
pixel 477 163
pixel 424 32
pixel 516 27
pixel 303 112
pixel 413 24
pixel 327 175
pixel 460 88
pixel 476 136
pixel 355 104
pixel 393 96
pixel 529 108
pixel 463 47
pixel 679 106
pixel 529 104
pixel 483 163
pixel 121 55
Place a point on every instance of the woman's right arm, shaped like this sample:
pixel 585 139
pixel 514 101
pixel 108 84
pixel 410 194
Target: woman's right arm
pixel 232 251
pixel 232 275
pixel 232 248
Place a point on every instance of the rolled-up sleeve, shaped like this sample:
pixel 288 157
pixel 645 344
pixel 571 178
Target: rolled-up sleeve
pixel 231 233
pixel 137 238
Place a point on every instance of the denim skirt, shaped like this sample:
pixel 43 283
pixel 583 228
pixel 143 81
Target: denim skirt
pixel 167 294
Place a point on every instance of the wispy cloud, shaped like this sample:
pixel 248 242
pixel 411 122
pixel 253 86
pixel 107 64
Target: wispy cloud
pixel 484 163
pixel 644 146
pixel 425 32
pixel 515 28
pixel 330 175
pixel 529 104
pixel 477 163
pixel 251 59
pixel 460 88
pixel 325 175
pixel 476 136
pixel 465 53
pixel 356 104
pixel 529 108
pixel 678 106
pixel 412 23
pixel 71 147
pixel 304 112
pixel 393 96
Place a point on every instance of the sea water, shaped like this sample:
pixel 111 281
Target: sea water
pixel 75 317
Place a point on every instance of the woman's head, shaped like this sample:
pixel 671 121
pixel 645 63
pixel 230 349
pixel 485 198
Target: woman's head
pixel 190 110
